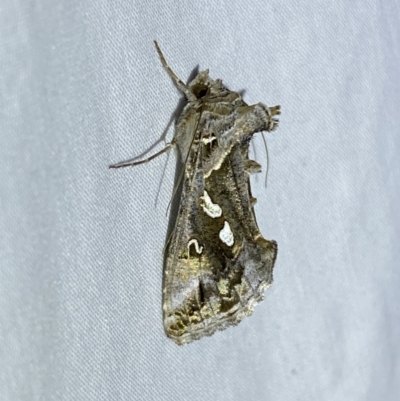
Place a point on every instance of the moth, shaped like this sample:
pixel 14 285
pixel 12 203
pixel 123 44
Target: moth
pixel 217 263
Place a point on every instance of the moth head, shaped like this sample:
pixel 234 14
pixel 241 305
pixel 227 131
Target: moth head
pixel 202 85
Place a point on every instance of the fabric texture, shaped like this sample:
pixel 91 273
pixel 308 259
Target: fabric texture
pixel 81 87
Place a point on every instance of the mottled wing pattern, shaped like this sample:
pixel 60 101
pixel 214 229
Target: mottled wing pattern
pixel 217 264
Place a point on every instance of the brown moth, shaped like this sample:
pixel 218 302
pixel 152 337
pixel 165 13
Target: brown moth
pixel 217 263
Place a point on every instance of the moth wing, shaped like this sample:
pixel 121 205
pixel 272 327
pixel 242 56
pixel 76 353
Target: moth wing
pixel 218 264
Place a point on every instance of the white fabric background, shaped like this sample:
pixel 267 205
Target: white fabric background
pixel 81 86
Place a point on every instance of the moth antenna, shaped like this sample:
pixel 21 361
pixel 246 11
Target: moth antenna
pixel 175 189
pixel 173 195
pixel 178 82
pixel 132 162
pixel 161 180
pixel 167 242
pixel 266 151
pixel 184 164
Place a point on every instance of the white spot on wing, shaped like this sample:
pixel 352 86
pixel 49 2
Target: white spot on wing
pixel 212 209
pixel 208 139
pixel 226 235
pixel 199 249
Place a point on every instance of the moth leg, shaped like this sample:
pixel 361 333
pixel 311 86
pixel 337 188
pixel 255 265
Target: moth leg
pixel 266 151
pixel 181 86
pixel 133 162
